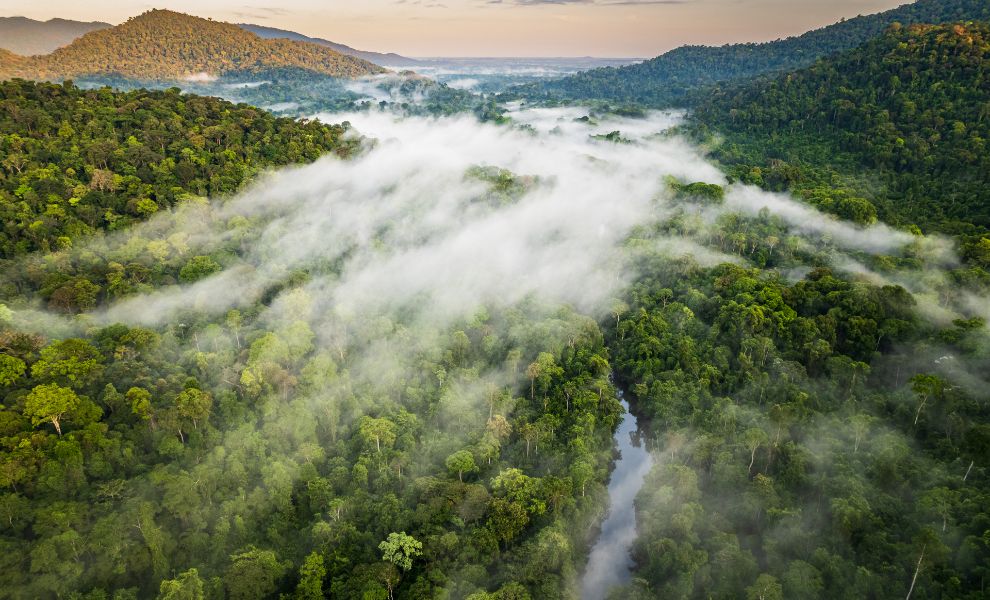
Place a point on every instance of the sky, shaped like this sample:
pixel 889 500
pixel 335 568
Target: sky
pixel 418 28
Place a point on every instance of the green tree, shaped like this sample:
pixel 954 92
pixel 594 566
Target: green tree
pixel 72 362
pixel 400 550
pixel 11 369
pixel 252 574
pixel 381 431
pixel 187 586
pixel 51 403
pixel 766 588
pixel 461 462
pixel 507 519
pixel 198 267
pixel 311 575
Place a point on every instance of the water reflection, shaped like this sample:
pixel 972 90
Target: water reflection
pixel 610 562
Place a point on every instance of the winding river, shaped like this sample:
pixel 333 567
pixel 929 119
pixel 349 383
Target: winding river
pixel 610 562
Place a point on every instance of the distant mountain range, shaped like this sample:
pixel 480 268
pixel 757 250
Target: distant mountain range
pixel 162 45
pixel 670 78
pixel 28 37
pixel 388 59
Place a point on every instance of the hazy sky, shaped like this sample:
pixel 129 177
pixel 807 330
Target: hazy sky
pixel 614 28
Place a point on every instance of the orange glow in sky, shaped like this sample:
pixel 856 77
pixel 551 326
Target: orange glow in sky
pixel 605 28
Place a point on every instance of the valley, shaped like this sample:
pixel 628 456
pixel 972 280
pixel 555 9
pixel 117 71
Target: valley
pixel 280 322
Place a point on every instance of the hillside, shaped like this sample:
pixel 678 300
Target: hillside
pixel 28 37
pixel 912 106
pixel 668 79
pixel 379 58
pixel 123 156
pixel 165 45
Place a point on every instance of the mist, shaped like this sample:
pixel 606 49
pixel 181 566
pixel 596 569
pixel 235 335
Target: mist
pixel 439 223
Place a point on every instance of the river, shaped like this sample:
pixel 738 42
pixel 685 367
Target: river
pixel 610 562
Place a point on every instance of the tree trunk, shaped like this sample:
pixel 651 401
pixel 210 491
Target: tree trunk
pixel 921 406
pixel 917 570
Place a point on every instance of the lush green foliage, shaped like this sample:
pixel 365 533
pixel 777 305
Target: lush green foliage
pixel 165 45
pixel 817 435
pixel 234 456
pixel 912 106
pixel 73 162
pixel 673 78
pixel 815 439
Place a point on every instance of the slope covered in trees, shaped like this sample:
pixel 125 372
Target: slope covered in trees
pixel 254 452
pixel 819 431
pixel 165 45
pixel 28 37
pixel 816 439
pixel 911 108
pixel 75 161
pixel 670 79
pixel 379 58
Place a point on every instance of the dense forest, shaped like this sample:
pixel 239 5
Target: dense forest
pixel 822 437
pixel 235 456
pixel 294 92
pixel 391 59
pixel 817 438
pixel 79 161
pixel 910 110
pixel 164 45
pixel 813 386
pixel 678 76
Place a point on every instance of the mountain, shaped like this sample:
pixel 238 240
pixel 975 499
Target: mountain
pixel 669 79
pixel 166 45
pixel 390 58
pixel 911 107
pixel 28 37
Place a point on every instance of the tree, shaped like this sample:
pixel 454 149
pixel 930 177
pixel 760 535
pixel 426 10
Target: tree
pixel 198 267
pixel 400 550
pixel 382 431
pixel 507 519
pixel 581 473
pixel 461 462
pixel 754 438
pixel 187 586
pixel 940 501
pixel 72 362
pixel 311 575
pixel 927 387
pixel 11 369
pixel 140 402
pixel 194 405
pixel 542 371
pixel 252 574
pixel 50 402
pixel 766 588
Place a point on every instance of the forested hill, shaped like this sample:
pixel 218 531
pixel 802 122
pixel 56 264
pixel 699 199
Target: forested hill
pixel 122 157
pixel 165 45
pixel 668 79
pixel 28 37
pixel 379 58
pixel 912 105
